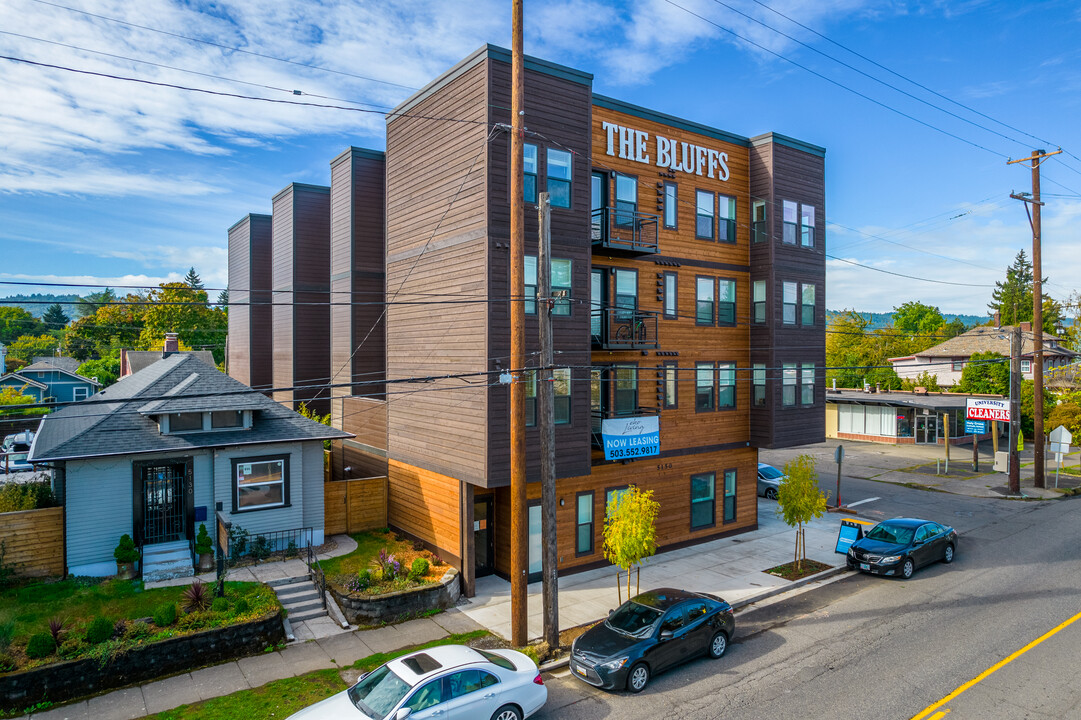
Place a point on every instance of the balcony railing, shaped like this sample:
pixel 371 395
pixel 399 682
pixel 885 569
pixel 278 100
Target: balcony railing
pixel 623 329
pixel 599 415
pixel 624 229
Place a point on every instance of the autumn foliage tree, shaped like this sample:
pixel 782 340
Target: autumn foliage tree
pixel 799 500
pixel 630 529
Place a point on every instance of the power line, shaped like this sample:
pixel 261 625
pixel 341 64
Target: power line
pixel 910 277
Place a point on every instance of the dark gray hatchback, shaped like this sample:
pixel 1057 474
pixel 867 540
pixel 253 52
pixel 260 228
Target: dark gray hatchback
pixel 649 634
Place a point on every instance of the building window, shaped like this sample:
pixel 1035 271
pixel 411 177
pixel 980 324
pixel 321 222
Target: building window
pixel 626 284
pixel 671 386
pixel 759 301
pixel 529 377
pixel 559 177
pixel 726 385
pixel 703 314
pixel 758 377
pixel 78 393
pixel 703 500
pixel 807 223
pixel 529 172
pixel 959 365
pixel 807 384
pixel 726 219
pixel 788 306
pixel 1026 366
pixel 703 223
pixel 583 543
pixel 704 387
pixel 626 200
pixel 226 419
pixel 758 221
pixel 260 483
pixel 788 379
pixel 561 386
pixel 561 282
pixel 726 302
pixel 626 390
pixel 614 495
pixel 530 285
pixel 729 496
pixel 791 218
pixel 671 295
pixel 671 205
pixel 185 422
pixel 807 298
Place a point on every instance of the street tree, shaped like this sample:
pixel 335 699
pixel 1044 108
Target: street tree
pixel 26 347
pixel 176 307
pixel 856 354
pixel 916 318
pixel 1012 298
pixel 630 529
pixel 106 369
pixel 986 373
pixel 15 322
pixel 54 317
pixel 799 500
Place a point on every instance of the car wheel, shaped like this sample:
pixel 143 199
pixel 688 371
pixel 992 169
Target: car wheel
pixel 947 556
pixel 771 494
pixel 638 678
pixel 507 712
pixel 908 568
pixel 718 645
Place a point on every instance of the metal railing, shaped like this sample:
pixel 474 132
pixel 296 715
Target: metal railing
pixel 622 328
pixel 624 229
pixel 597 416
pixel 236 544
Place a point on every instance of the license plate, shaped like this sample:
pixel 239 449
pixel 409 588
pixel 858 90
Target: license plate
pixel 864 566
pixel 579 670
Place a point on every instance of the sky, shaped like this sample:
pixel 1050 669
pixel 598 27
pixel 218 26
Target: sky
pixel 114 182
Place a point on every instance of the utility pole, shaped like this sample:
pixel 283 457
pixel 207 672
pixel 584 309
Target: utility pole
pixel 1015 409
pixel 546 422
pixel 519 512
pixel 1038 439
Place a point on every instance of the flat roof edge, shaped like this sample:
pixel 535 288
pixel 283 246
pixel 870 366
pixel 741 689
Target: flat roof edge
pixel 666 119
pixel 249 216
pixel 354 151
pixel 793 143
pixel 300 186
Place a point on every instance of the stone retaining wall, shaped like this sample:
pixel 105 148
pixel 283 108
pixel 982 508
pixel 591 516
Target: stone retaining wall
pixel 375 609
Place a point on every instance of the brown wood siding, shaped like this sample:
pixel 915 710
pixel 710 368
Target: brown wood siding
pixel 352 506
pixel 250 339
pixel 282 252
pixel 34 542
pixel 425 505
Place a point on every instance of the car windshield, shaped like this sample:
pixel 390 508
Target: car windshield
pixel 632 618
pixel 891 533
pixel 769 472
pixel 378 692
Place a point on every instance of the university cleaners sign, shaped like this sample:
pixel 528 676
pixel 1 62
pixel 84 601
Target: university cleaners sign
pixel 987 409
pixel 631 437
pixel 632 144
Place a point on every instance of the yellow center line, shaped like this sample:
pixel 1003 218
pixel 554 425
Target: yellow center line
pixel 994 668
pixel 939 715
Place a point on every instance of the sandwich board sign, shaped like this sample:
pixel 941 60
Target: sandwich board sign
pixel 987 409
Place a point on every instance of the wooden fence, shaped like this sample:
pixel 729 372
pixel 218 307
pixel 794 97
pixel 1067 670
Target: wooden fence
pixel 34 541
pixel 350 506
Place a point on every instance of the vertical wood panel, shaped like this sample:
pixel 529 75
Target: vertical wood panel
pixel 34 541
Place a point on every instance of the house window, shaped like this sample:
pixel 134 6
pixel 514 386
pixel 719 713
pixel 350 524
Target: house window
pixel 529 378
pixel 726 302
pixel 808 302
pixel 791 218
pixel 561 281
pixel 78 393
pixel 561 386
pixel 759 300
pixel 703 223
pixel 758 221
pixel 704 388
pixel 671 383
pixel 726 219
pixel 807 223
pixel 583 544
pixel 671 205
pixel 226 419
pixel 185 422
pixel 626 284
pixel 1026 366
pixel 758 378
pixel 729 496
pixel 703 500
pixel 807 384
pixel 671 295
pixel 726 385
pixel 788 388
pixel 626 390
pixel 703 314
pixel 614 495
pixel 788 307
pixel 529 172
pixel 559 177
pixel 959 365
pixel 530 285
pixel 626 200
pixel 260 483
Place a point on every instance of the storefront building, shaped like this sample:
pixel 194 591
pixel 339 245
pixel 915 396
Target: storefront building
pixel 899 418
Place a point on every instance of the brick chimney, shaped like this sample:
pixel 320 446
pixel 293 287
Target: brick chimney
pixel 1026 327
pixel 998 319
pixel 172 344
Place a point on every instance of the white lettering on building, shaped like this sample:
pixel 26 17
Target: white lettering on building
pixel 671 154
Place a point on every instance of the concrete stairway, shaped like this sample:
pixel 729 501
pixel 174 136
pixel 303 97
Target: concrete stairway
pixel 300 597
pixel 166 561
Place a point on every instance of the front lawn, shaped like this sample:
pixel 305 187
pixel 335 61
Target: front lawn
pixel 382 563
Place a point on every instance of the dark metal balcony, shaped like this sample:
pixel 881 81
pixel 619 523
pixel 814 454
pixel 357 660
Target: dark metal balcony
pixel 619 228
pixel 623 329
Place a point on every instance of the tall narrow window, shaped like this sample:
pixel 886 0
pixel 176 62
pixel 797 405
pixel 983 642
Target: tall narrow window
pixel 703 223
pixel 759 301
pixel 671 205
pixel 530 285
pixel 788 386
pixel 626 200
pixel 807 384
pixel 726 385
pixel 703 500
pixel 583 543
pixel 626 283
pixel 791 219
pixel 729 496
pixel 671 386
pixel 758 221
pixel 561 386
pixel 626 391
pixel 726 302
pixel 559 177
pixel 758 378
pixel 788 307
pixel 529 377
pixel 671 295
pixel 529 172
pixel 703 312
pixel 726 219
pixel 704 391
pixel 807 225
pixel 807 300
pixel 561 283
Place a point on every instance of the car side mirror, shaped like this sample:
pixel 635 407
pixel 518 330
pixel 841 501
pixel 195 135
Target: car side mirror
pixel 610 611
pixel 402 713
pixel 666 635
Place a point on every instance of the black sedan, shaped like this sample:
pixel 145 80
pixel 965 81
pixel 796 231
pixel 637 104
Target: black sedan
pixel 898 547
pixel 650 633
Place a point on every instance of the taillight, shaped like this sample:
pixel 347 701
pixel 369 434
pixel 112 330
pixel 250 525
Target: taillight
pixel 538 680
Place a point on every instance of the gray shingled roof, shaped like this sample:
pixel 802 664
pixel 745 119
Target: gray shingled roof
pixel 112 422
pixel 987 338
pixel 142 359
pixel 64 363
pixel 47 364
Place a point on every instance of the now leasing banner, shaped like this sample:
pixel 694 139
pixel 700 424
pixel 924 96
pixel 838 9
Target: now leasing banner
pixel 631 437
pixel 987 409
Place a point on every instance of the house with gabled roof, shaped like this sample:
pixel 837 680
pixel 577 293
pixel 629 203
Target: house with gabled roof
pixel 167 447
pixel 53 380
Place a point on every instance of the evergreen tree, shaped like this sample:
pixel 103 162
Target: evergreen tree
pixel 193 280
pixel 223 300
pixel 54 317
pixel 90 304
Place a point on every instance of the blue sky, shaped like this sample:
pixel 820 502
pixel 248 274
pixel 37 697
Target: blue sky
pixel 104 181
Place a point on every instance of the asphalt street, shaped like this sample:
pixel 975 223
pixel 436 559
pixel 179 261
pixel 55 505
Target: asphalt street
pixel 867 647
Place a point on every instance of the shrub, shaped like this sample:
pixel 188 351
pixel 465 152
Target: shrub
pixel 437 561
pixel 220 605
pixel 57 625
pixel 196 597
pixel 260 548
pixel 363 580
pixel 165 615
pixel 241 606
pixel 137 631
pixel 418 569
pixel 40 646
pixel 26 496
pixel 291 549
pixel 125 551
pixel 99 630
pixel 238 543
pixel 203 545
pixel 388 566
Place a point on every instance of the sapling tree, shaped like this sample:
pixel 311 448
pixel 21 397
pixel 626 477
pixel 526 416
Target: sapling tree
pixel 799 500
pixel 630 529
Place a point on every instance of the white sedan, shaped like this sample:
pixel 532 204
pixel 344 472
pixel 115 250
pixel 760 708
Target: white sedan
pixel 450 682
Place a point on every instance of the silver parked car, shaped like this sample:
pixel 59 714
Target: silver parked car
pixel 769 480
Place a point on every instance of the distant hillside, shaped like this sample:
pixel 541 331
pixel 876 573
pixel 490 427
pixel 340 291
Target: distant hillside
pixel 884 320
pixel 37 303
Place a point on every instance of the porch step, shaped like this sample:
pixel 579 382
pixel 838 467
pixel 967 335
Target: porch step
pixel 165 561
pixel 300 597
